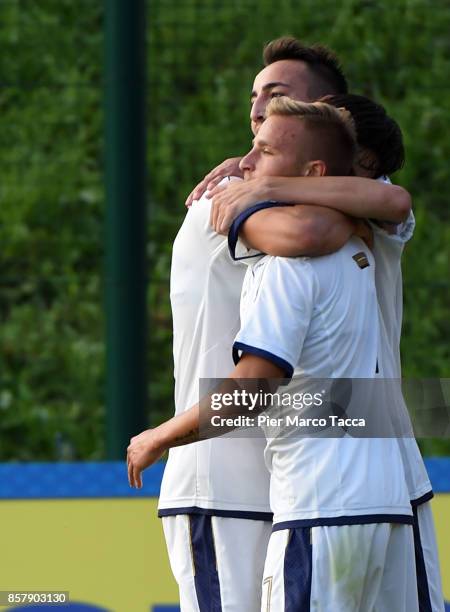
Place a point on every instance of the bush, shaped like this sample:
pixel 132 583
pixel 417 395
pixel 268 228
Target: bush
pixel 202 60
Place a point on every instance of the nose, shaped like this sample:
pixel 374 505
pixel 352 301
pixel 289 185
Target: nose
pixel 257 111
pixel 246 164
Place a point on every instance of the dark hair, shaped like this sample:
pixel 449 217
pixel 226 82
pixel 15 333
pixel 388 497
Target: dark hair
pixel 322 62
pixel 376 132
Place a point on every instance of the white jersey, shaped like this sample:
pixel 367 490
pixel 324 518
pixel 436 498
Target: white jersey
pixel 318 318
pixel 222 476
pixel 387 251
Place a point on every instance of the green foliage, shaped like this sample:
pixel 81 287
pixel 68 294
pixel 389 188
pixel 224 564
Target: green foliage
pixel 203 55
pixel 397 53
pixel 52 350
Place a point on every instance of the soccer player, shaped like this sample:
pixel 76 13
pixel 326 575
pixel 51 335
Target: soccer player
pixel 221 486
pixel 284 231
pixel 380 152
pixel 317 317
pixel 200 490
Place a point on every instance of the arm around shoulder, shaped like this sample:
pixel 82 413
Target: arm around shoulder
pixel 356 196
pixel 295 231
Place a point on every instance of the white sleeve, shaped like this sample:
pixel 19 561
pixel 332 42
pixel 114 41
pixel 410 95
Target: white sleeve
pixel 402 232
pixel 278 313
pixel 238 250
pixel 245 253
pixel 200 213
pixel 405 230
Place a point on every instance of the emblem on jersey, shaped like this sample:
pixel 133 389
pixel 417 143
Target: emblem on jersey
pixel 361 259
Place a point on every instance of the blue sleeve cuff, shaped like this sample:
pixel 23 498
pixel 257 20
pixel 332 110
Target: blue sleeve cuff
pixel 253 350
pixel 233 234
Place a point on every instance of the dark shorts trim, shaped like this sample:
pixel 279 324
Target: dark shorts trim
pixel 421 570
pixel 241 514
pixel 206 576
pixel 298 571
pixel 336 521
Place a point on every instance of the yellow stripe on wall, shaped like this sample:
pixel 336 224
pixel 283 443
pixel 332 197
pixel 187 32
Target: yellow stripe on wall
pixel 441 512
pixel 110 552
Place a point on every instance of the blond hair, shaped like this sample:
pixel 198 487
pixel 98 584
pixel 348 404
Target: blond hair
pixel 332 129
pixel 313 111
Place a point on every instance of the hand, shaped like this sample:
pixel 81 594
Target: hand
pixel 364 231
pixel 230 167
pixel 144 450
pixel 229 201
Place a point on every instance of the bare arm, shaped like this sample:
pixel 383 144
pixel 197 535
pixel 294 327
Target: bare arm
pixel 294 231
pixel 146 448
pixel 355 196
pixel 352 195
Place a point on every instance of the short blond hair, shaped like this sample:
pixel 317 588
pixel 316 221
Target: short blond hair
pixel 313 111
pixel 333 130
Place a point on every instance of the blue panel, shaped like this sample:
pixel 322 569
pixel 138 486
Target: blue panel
pixel 206 576
pixel 439 471
pixel 165 609
pixel 109 479
pixel 77 480
pixel 298 571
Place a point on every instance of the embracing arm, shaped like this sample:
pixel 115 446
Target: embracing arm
pixel 292 231
pixel 146 448
pixel 316 227
pixel 352 195
pixel 229 167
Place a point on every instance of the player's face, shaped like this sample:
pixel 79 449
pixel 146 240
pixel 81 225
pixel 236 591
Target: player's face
pixel 277 149
pixel 283 78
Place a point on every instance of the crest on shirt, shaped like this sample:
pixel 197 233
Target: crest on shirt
pixel 361 259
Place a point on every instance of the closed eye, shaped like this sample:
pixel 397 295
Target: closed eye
pixel 272 94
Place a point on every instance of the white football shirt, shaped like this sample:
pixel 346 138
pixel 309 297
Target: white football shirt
pixel 225 476
pixel 318 318
pixel 388 250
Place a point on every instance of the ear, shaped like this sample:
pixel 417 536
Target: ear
pixel 315 168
